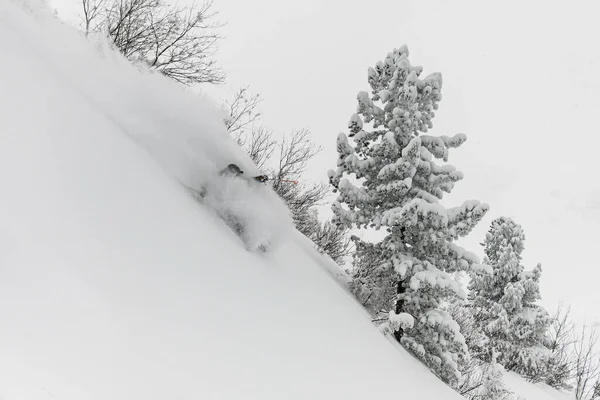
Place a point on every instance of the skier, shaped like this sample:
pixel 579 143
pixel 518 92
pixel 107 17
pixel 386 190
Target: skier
pixel 231 219
pixel 234 170
pixel 236 222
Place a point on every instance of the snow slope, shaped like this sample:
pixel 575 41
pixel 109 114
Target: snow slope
pixel 521 389
pixel 116 284
pixel 530 391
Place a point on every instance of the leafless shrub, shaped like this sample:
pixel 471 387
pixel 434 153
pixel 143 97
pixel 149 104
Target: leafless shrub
pixel 241 112
pixel 587 364
pixel 260 146
pixel 179 42
pixel 561 338
pixel 332 240
pixel 285 161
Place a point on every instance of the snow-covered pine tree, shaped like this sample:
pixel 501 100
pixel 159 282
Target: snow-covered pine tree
pixel 397 184
pixel 504 303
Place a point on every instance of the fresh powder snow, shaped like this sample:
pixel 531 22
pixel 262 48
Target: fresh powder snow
pixel 116 284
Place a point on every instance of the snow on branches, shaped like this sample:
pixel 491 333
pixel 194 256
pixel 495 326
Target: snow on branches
pixel 504 303
pixel 392 175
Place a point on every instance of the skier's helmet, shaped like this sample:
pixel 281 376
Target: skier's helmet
pixel 234 169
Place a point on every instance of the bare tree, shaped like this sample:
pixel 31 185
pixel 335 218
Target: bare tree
pixel 241 117
pixel 179 42
pixel 561 339
pixel 471 378
pixel 587 365
pixel 596 391
pixel 92 10
pixel 561 331
pixel 294 154
pixel 286 160
pixel 260 146
pixel 241 112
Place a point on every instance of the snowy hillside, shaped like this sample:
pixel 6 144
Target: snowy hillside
pixel 116 284
pixel 528 391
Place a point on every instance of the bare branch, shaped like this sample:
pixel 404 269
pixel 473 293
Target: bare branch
pixel 261 146
pixel 587 365
pixel 379 319
pixel 92 11
pixel 365 303
pixel 561 339
pixel 294 154
pixel 241 111
pixel 177 42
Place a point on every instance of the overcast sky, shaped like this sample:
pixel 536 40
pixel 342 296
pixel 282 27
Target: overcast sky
pixel 520 79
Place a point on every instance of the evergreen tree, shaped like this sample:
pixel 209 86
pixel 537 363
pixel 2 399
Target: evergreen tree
pixel 504 303
pixel 390 178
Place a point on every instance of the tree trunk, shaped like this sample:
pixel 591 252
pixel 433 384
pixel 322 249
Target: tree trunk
pixel 400 307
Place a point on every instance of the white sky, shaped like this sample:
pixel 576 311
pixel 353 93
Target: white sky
pixel 519 79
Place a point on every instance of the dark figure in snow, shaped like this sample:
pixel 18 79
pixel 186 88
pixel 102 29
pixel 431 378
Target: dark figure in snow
pixel 234 170
pixel 231 170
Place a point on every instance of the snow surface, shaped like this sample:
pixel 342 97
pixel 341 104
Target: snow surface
pixel 116 284
pixel 529 391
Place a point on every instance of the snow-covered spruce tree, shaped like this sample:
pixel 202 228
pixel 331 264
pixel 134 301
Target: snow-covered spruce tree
pixel 504 303
pixel 390 178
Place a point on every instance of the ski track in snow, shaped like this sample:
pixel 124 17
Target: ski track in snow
pixel 116 284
